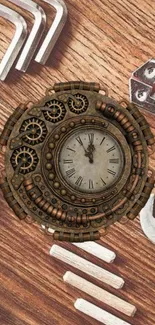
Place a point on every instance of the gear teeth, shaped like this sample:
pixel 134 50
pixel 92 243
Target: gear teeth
pixel 82 101
pixel 57 112
pixel 39 131
pixel 25 159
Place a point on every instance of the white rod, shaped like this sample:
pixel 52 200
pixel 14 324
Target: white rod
pixel 99 293
pixel 94 249
pixel 87 267
pixel 97 313
pixel 97 250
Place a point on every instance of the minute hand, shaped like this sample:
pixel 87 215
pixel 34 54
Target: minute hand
pixel 89 154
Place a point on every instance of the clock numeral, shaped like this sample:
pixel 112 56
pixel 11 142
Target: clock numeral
pixel 79 140
pixel 111 149
pixel 102 141
pixel 114 161
pixel 91 137
pixel 68 161
pixel 70 172
pixel 103 181
pixel 71 149
pixel 111 172
pixel 91 185
pixel 79 181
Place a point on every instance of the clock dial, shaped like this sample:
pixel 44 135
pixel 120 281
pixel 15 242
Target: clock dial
pixel 91 160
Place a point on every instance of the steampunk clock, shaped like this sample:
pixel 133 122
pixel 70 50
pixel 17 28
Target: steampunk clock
pixel 77 161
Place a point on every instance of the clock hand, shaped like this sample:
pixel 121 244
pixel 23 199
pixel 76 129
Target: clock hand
pixel 90 156
pixel 91 147
pixel 91 160
pixel 89 153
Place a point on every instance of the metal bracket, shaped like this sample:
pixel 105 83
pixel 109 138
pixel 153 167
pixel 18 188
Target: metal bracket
pixel 142 86
pixel 36 32
pixel 147 219
pixel 54 32
pixel 17 41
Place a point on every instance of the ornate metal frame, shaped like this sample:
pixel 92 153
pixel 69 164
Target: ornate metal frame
pixel 33 186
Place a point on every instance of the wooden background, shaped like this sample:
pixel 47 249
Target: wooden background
pixel 104 40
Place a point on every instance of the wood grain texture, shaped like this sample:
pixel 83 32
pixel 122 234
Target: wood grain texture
pixel 104 40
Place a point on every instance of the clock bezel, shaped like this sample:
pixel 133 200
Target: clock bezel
pixel 59 184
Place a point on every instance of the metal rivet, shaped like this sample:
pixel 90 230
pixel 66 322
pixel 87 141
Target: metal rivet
pixel 51 176
pixel 51 145
pixel 48 156
pixel 63 192
pixel 63 129
pixel 48 166
pixel 37 178
pixel 56 185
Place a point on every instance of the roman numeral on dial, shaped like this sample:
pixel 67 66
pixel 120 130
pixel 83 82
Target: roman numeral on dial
pixel 70 172
pixel 103 181
pixel 78 139
pixel 114 161
pixel 71 149
pixel 111 149
pixel 69 161
pixel 79 181
pixel 102 141
pixel 91 185
pixel 91 137
pixel 111 172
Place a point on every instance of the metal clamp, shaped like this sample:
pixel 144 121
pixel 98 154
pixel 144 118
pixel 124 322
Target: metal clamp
pixel 142 86
pixel 36 32
pixel 54 32
pixel 17 41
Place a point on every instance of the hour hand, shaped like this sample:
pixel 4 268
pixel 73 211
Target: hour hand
pixel 90 156
pixel 91 147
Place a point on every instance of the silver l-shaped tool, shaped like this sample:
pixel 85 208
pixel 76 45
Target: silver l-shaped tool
pixel 36 32
pixel 54 32
pixel 17 41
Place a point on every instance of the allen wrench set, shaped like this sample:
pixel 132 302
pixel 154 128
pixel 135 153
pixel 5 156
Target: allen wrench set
pixel 32 41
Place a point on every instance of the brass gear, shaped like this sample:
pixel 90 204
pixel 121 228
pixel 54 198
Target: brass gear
pixel 25 159
pixel 56 111
pixel 37 129
pixel 80 105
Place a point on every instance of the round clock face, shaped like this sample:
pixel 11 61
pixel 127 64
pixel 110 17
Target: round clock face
pixel 91 160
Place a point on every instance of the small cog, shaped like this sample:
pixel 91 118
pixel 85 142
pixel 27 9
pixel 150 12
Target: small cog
pixel 25 159
pixel 56 111
pixel 79 105
pixel 36 130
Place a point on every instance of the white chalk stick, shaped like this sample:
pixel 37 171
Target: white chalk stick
pixel 99 293
pixel 97 313
pixel 97 250
pixel 93 248
pixel 87 267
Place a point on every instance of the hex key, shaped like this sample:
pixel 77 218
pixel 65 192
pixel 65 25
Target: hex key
pixel 17 41
pixel 36 32
pixel 54 32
